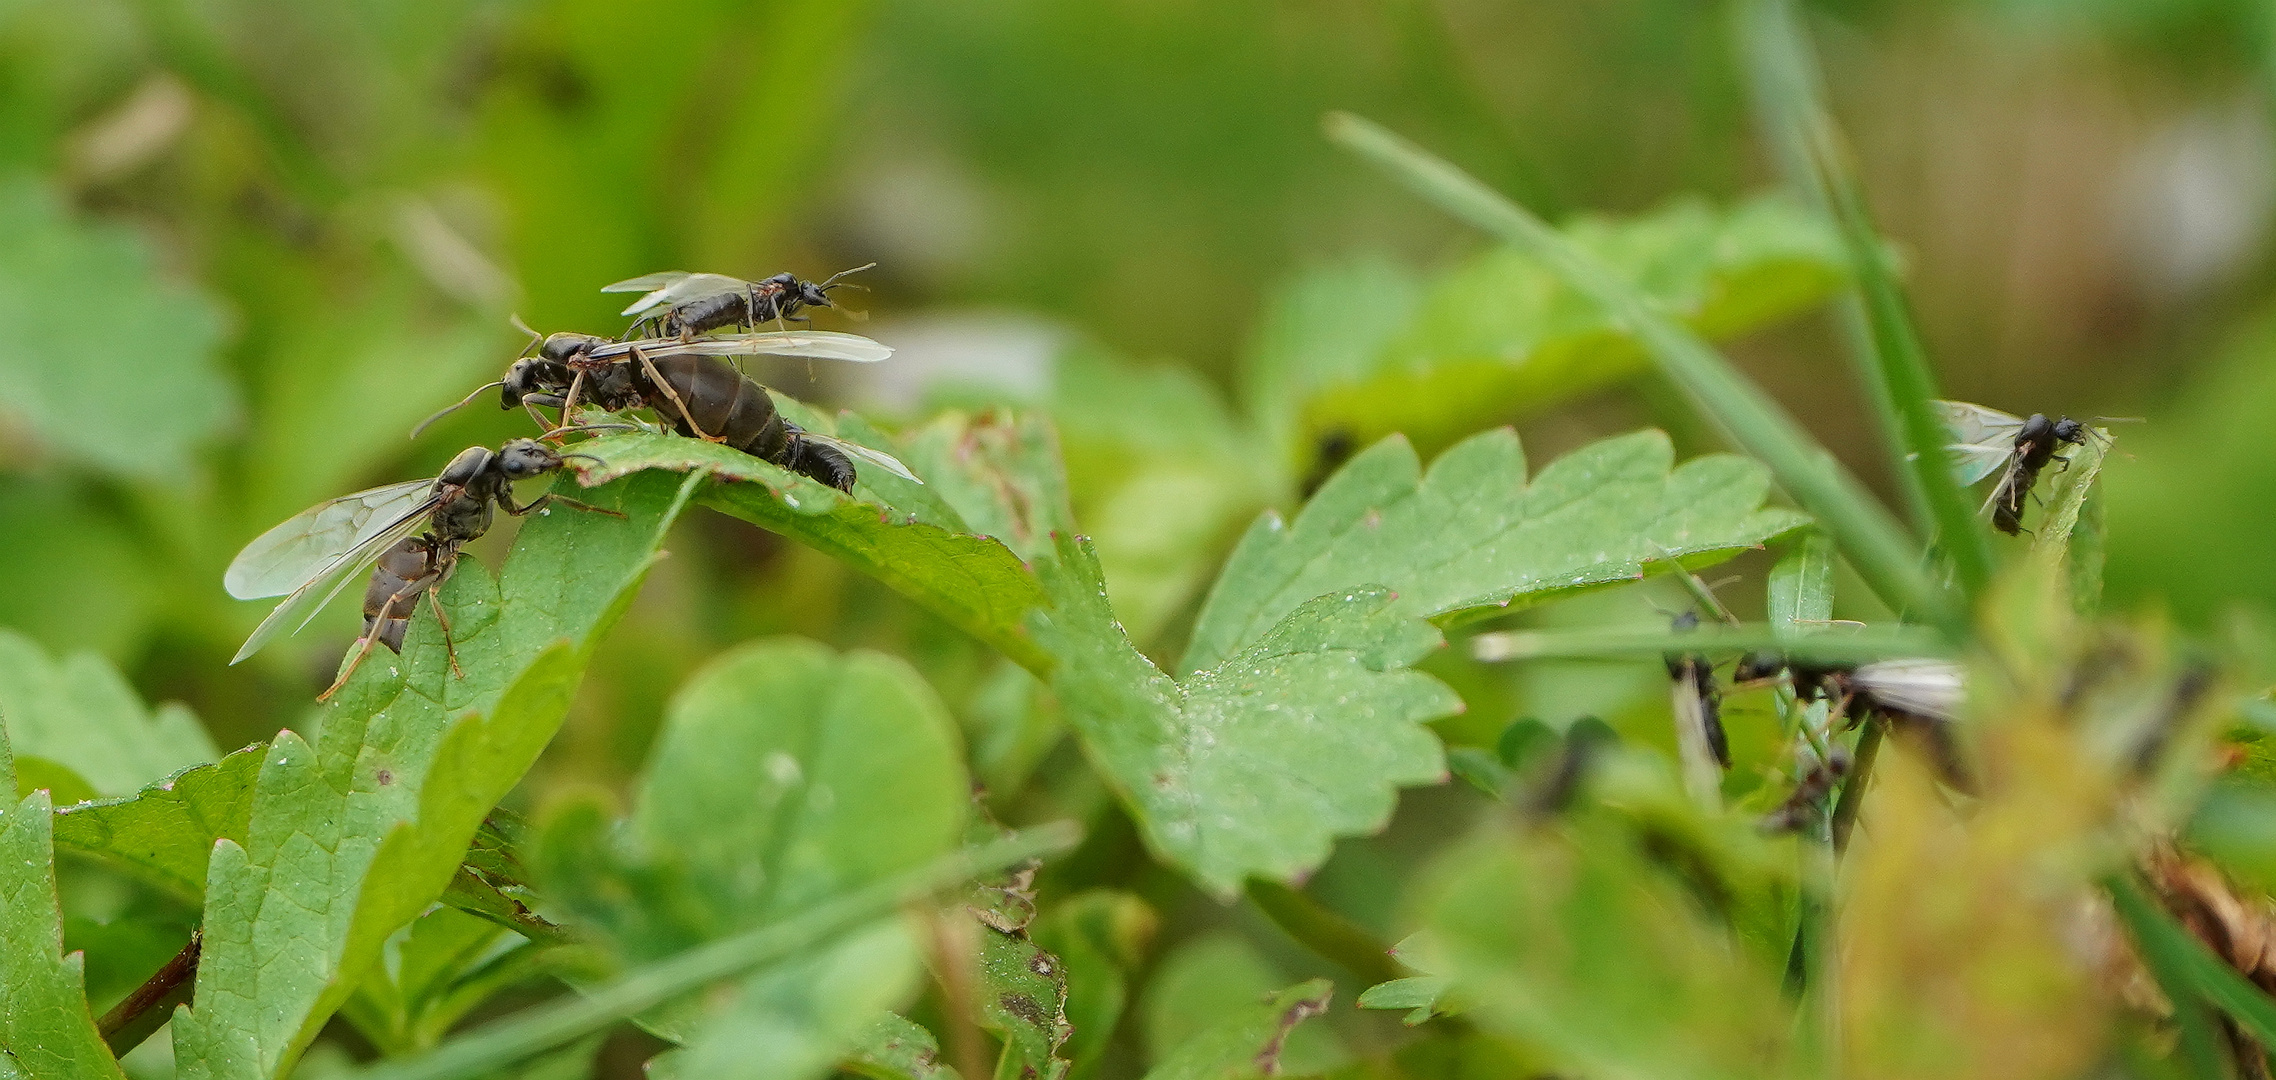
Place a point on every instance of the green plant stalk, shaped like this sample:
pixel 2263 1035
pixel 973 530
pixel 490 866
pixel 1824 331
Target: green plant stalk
pixel 2166 949
pixel 1866 644
pixel 151 1004
pixel 1876 543
pixel 1853 793
pixel 548 1026
pixel 1326 933
pixel 1876 322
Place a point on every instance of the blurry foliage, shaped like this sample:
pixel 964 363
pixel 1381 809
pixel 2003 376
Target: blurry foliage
pixel 1185 572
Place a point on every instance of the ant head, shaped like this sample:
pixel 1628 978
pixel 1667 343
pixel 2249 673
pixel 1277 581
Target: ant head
pixel 521 380
pixel 1757 667
pixel 2070 431
pixel 521 459
pixel 812 295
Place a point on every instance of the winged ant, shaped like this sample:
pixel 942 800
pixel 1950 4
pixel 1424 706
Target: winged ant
pixel 312 556
pixel 1987 440
pixel 680 304
pixel 691 389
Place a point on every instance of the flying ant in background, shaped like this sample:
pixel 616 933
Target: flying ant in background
pixel 1705 749
pixel 314 554
pixel 1985 440
pixel 1917 697
pixel 680 304
pixel 693 391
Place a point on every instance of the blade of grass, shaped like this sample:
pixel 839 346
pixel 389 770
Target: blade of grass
pixel 2185 971
pixel 1864 644
pixel 508 1041
pixel 1876 543
pixel 1876 320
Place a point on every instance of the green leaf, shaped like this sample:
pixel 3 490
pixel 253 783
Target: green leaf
pixel 1165 476
pixel 2051 541
pixel 1023 998
pixel 1216 975
pixel 1877 545
pixel 897 1048
pixel 45 1028
pixel 1255 766
pixel 975 582
pixel 1420 994
pixel 1000 474
pixel 104 360
pixel 1501 337
pixel 350 839
pixel 1801 587
pixel 1248 1040
pixel 534 1030
pixel 164 833
pixel 80 713
pixel 1472 534
pixel 787 776
pixel 1101 937
pixel 1571 941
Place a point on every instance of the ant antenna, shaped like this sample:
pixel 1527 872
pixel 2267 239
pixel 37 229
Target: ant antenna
pixel 833 282
pixel 534 336
pixel 449 409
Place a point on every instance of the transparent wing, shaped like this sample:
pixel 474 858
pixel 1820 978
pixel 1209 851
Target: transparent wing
pixel 674 287
pixel 1972 462
pixel 879 458
pixel 312 596
pixel 1930 688
pixel 646 282
pixel 1982 439
pixel 305 545
pixel 811 344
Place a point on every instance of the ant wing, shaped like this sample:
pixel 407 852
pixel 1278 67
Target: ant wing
pixel 1982 439
pixel 1972 462
pixel 312 596
pixel 1929 688
pixel 1970 423
pixel 308 543
pixel 673 287
pixel 879 458
pixel 647 282
pixel 810 344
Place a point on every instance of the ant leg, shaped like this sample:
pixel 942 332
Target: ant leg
pixel 505 503
pixel 569 401
pixel 657 377
pixel 363 648
pixel 450 648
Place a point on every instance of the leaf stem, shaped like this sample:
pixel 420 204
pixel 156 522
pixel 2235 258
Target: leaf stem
pixel 546 1026
pixel 1876 324
pixel 150 1005
pixel 1853 792
pixel 1326 932
pixel 1879 546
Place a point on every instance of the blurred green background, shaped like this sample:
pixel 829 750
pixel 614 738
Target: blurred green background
pixel 245 246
